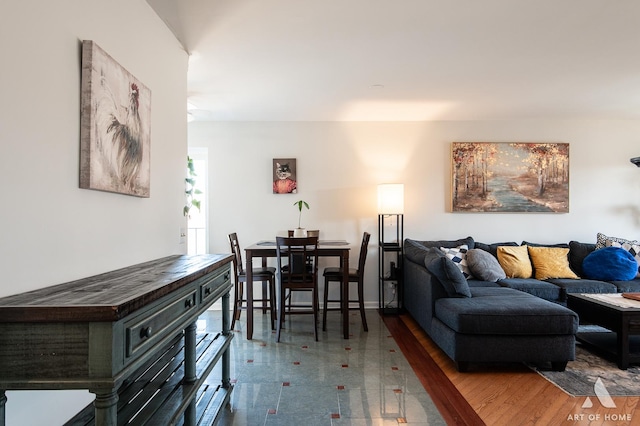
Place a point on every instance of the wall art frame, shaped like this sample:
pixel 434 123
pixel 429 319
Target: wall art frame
pixel 285 176
pixel 115 126
pixel 517 177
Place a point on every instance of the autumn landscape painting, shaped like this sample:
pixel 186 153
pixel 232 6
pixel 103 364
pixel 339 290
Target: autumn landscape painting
pixel 510 177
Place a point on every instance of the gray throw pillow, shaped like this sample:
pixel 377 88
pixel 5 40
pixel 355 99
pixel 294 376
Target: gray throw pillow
pixel 450 276
pixel 484 266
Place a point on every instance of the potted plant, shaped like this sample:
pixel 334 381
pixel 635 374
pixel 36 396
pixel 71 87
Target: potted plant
pixel 299 231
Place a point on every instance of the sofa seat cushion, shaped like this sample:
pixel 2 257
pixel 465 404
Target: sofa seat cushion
pixel 541 289
pixel 480 283
pixel 632 286
pixel 505 314
pixel 583 285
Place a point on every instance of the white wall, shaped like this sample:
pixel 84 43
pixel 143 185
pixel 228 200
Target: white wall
pixel 52 231
pixel 340 164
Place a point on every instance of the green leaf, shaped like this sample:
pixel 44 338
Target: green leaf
pixel 190 181
pixel 196 204
pixel 185 210
pixel 197 191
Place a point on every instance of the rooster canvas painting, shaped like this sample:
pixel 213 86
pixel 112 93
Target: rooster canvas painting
pixel 115 135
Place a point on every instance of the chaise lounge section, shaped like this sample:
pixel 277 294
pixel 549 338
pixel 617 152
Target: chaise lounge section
pixel 501 320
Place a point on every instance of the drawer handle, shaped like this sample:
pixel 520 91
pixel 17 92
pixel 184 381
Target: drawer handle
pixel 226 276
pixel 145 333
pixel 207 291
pixel 188 303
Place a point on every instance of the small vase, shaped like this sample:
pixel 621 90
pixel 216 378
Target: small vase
pixel 299 233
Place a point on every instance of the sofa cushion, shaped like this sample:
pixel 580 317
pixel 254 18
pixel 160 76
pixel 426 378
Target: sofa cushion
pixel 415 250
pixel 632 286
pixel 493 248
pixel 458 255
pixel 558 245
pixel 505 314
pixel 583 285
pixel 468 241
pixel 484 266
pixel 515 261
pixel 577 252
pixel 610 264
pixel 550 262
pixel 541 289
pixel 450 276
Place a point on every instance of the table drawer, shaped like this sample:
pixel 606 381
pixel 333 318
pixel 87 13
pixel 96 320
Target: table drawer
pixel 212 286
pixel 147 329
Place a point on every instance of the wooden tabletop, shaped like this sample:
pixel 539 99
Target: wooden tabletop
pixel 109 296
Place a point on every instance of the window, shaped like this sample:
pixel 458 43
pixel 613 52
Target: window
pixel 197 237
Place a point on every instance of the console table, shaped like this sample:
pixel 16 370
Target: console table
pixel 104 332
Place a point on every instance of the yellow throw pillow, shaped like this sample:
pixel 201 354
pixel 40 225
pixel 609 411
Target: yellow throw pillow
pixel 551 262
pixel 515 261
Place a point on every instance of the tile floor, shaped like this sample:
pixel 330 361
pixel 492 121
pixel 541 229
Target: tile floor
pixel 365 380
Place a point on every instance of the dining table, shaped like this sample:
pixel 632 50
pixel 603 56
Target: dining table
pixel 326 248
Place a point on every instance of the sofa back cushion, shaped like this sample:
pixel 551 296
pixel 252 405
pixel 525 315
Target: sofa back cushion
pixel 415 250
pixel 577 252
pixel 493 248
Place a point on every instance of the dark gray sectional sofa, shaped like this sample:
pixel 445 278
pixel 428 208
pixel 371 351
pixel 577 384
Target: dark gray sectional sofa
pixel 511 320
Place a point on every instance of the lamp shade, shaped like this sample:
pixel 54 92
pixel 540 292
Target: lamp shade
pixel 391 198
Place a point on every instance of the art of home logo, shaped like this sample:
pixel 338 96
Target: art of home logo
pixel 602 394
pixel 605 400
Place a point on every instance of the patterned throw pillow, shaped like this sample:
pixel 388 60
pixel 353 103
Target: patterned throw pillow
pixel 459 256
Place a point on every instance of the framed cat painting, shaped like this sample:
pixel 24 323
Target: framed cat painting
pixel 284 176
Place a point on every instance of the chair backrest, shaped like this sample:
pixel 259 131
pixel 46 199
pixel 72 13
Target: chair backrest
pixel 363 252
pixel 300 256
pixel 237 254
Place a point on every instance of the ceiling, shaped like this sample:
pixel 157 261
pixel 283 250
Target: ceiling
pixel 408 60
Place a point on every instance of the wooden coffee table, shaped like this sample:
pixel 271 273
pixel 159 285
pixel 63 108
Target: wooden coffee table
pixel 615 313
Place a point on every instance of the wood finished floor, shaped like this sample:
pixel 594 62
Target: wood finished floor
pixel 501 394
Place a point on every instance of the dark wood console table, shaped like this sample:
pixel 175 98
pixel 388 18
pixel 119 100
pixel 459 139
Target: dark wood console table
pixel 99 332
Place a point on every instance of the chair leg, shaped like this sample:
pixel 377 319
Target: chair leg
pixel 280 314
pixel 237 303
pixel 361 304
pixel 272 302
pixel 314 294
pixel 324 310
pixel 264 297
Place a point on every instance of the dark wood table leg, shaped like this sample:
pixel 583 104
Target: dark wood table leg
pixel 249 295
pixel 345 294
pixel 622 345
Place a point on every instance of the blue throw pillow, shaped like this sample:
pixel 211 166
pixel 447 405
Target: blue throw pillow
pixel 610 264
pixel 450 276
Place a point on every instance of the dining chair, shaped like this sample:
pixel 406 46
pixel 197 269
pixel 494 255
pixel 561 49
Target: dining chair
pixel 297 271
pixel 264 274
pixel 334 274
